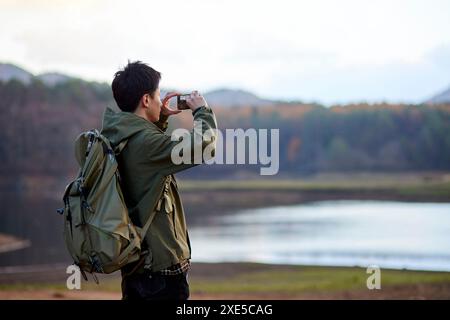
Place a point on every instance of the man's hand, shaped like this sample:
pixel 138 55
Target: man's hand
pixel 195 101
pixel 165 109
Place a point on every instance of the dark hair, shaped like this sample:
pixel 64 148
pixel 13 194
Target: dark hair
pixel 131 83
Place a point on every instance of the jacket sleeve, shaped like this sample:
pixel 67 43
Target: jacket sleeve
pixel 158 146
pixel 163 122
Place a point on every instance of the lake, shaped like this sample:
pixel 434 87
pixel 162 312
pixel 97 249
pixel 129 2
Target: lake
pixel 328 233
pixel 331 233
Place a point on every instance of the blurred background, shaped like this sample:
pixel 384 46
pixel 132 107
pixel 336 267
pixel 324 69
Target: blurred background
pixel 359 90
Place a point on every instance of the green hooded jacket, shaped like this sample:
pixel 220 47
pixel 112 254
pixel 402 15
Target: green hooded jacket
pixel 148 182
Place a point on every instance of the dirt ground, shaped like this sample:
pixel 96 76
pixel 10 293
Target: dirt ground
pixel 423 291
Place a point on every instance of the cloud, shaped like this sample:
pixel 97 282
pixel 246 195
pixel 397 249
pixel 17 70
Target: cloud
pixel 321 50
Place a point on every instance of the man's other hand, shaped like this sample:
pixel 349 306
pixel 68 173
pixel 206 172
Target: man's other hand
pixel 165 109
pixel 195 101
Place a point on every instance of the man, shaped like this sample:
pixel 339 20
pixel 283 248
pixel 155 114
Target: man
pixel 148 182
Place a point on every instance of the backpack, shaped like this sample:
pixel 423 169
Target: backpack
pixel 98 232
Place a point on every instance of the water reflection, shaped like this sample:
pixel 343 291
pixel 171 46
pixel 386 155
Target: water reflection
pixel 33 219
pixel 390 234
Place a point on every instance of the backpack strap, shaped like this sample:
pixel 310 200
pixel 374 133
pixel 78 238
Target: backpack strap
pixel 118 149
pixel 124 255
pixel 143 231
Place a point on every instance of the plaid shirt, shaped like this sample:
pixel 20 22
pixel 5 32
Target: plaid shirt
pixel 176 269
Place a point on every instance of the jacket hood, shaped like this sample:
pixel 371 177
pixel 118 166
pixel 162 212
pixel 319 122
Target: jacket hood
pixel 118 126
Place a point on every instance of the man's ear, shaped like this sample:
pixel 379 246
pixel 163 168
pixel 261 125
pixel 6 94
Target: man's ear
pixel 145 100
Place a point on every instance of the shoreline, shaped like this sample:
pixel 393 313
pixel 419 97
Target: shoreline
pixel 230 201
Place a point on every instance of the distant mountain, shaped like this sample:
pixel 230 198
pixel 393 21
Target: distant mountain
pixel 52 78
pixel 9 71
pixel 443 97
pixel 235 98
pixel 230 98
pixel 220 97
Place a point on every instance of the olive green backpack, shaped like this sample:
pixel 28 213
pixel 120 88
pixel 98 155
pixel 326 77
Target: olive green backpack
pixel 98 232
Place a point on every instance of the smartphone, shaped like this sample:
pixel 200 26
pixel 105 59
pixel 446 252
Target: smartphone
pixel 178 103
pixel 181 101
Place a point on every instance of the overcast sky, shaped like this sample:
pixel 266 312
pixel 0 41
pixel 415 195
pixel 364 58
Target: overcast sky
pixel 325 51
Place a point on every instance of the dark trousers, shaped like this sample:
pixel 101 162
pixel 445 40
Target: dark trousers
pixel 153 286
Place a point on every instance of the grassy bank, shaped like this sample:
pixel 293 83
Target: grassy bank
pixel 262 281
pixel 426 185
pixel 228 196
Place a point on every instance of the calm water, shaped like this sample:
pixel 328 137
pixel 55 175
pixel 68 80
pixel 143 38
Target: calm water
pixel 347 233
pixel 338 233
